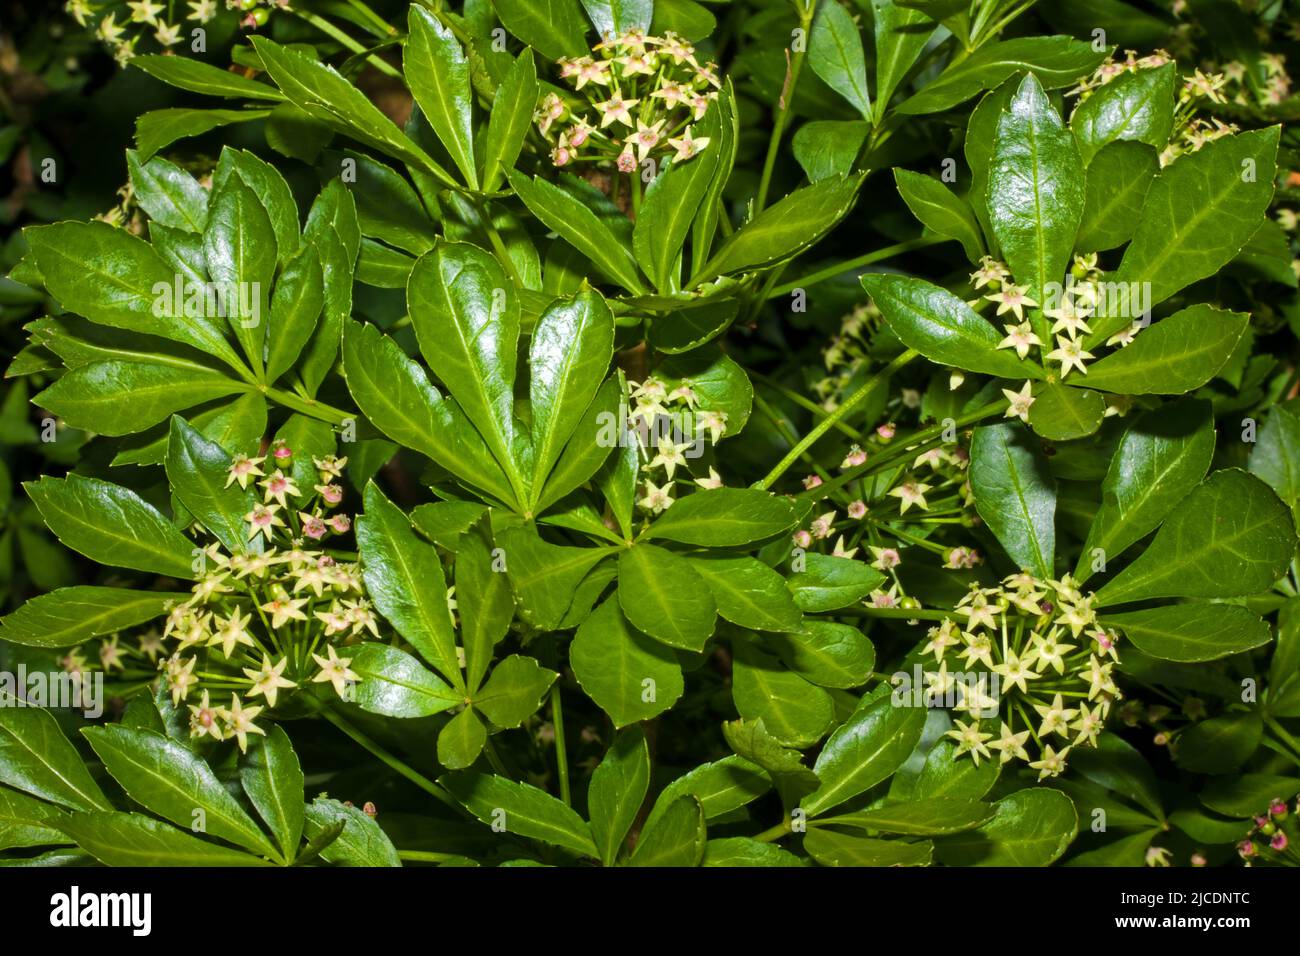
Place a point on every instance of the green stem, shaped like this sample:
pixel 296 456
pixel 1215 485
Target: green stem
pixel 410 773
pixel 424 856
pixel 896 613
pixel 830 272
pixel 783 107
pixel 561 749
pixel 330 30
pixel 494 759
pixel 307 406
pixel 774 834
pixel 827 423
pixel 805 404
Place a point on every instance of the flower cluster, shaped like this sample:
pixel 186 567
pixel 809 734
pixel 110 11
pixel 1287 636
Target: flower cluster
pixel 846 355
pixel 1034 656
pixel 122 25
pixel 263 623
pixel 671 430
pixel 636 97
pixel 1271 840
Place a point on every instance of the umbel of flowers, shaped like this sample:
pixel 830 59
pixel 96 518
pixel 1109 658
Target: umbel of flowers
pixel 267 624
pixel 636 97
pixel 1037 669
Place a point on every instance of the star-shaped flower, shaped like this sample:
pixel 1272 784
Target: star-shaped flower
pixel 1020 337
pixel 970 739
pixel 268 681
pixel 1019 402
pixel 335 670
pixel 1070 354
pixel 239 722
pixel 910 492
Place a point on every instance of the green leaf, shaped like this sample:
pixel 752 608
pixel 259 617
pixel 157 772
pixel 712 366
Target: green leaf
pixel 115 279
pixel 865 750
pixel 944 774
pixel 1030 827
pixel 1231 536
pixel 842 849
pixel 616 17
pixel 579 225
pixel 829 583
pixel 395 684
pixel 132 839
pixel 522 810
pixel 514 691
pixel 1174 355
pixel 544 575
pixel 1199 213
pixel 437 71
pixel 749 593
pixel 941 211
pixel 746 851
pixel 664 596
pixel 189 73
pixel 466 318
pixel 670 205
pixel 1015 494
pixel 677 837
pixel 828 148
pixel 1035 191
pixel 1244 795
pixel 72 615
pixel 125 397
pixel 1276 455
pixel 394 392
pixel 239 248
pixel 835 54
pixel 296 306
pixel 199 472
pixel 751 740
pixel 37 759
pixel 1192 632
pixel 1119 178
pixel 795 712
pixel 461 740
pixel 26 821
pixel 1134 106
pixel 1219 745
pixel 617 790
pixel 827 653
pixel 784 229
pixel 169 779
pixel 158 129
pixel 628 675
pixel 271 190
pixel 112 525
pixel 724 517
pixel 510 120
pixel 721 787
pixel 169 194
pixel 361 842
pixel 589 447
pixel 483 589
pixel 1062 413
pixel 1160 458
pixel 405 581
pixel 934 817
pixel 273 780
pixel 900 35
pixel 569 352
pixel 942 327
pixel 554 28
pixel 1056 61
pixel 318 90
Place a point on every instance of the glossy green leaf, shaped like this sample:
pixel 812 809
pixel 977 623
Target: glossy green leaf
pixel 724 517
pixel 239 248
pixel 168 193
pixel 934 817
pixel 158 129
pixel 863 751
pixel 172 781
pixel 1172 356
pixel 1276 455
pixel 71 615
pixel 133 839
pixel 830 848
pixel 795 712
pixel 676 838
pixel 1030 827
pixel 361 841
pixel 191 73
pixel 827 653
pixel 544 575
pixel 295 310
pixel 664 596
pixel 273 780
pixel 112 525
pixel 1062 413
pixel 835 54
pixel 461 740
pixel 510 120
pixel 618 788
pixel 941 211
pixel 199 473
pixel 1135 106
pixel 630 676
pixel 405 581
pixel 437 71
pixel 514 691
pixel 900 36
pixel 1015 494
pixel 554 28
pixel 616 17
pixel 1191 632
pixel 1160 458
pixel 942 327
pixel 1231 536
pixel 827 583
pixel 522 810
pixel 37 759
pixel 395 684
pixel 749 593
pixel 1119 178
